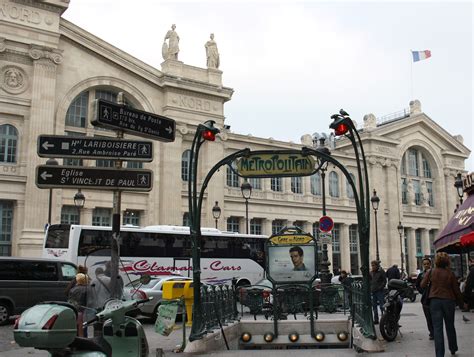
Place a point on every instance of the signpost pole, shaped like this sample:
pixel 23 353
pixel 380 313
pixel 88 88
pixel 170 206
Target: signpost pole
pixel 114 247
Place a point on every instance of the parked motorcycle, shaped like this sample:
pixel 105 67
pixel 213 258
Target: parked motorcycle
pixel 51 326
pixel 411 292
pixel 398 290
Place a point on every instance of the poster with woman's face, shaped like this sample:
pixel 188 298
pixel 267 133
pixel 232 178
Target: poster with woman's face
pixel 289 263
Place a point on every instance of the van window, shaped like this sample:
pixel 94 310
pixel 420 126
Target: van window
pixel 13 270
pixel 68 271
pixel 44 271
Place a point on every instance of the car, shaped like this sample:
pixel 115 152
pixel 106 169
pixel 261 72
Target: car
pixel 335 279
pixel 25 282
pixel 136 290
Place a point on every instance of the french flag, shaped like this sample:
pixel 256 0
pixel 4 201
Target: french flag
pixel 420 55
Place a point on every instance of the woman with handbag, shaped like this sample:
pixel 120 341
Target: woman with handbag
pixel 443 294
pixel 424 295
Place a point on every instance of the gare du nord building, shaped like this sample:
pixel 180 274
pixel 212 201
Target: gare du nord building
pixel 51 71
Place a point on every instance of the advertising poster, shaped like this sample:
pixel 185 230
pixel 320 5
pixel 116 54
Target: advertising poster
pixel 288 263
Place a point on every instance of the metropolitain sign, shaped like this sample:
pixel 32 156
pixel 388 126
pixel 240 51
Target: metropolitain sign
pixel 276 164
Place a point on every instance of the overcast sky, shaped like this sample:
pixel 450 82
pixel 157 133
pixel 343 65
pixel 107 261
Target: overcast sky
pixel 294 63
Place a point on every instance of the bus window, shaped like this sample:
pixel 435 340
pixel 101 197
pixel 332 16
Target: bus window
pixel 92 241
pixel 58 236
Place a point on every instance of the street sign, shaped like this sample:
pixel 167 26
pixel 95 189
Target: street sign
pixel 325 238
pixel 94 148
pixel 326 224
pixel 121 117
pixel 52 176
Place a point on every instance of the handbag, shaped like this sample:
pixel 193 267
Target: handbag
pixel 425 300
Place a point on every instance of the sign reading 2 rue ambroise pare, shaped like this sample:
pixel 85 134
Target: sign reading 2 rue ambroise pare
pixel 276 164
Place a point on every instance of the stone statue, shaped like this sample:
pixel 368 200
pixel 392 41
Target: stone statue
pixel 425 195
pixel 212 53
pixel 170 50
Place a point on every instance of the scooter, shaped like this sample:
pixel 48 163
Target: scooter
pixel 51 326
pixel 398 290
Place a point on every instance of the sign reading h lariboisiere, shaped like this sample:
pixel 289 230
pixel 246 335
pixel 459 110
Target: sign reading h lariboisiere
pixel 121 117
pixel 48 176
pixel 94 148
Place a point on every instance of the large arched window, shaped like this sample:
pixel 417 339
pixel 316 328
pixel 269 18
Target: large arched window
pixel 416 176
pixel 8 143
pixel 316 184
pixel 333 184
pixel 185 165
pixel 349 190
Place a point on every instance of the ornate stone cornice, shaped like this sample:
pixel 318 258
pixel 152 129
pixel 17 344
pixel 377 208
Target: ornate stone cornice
pixel 3 47
pixel 54 55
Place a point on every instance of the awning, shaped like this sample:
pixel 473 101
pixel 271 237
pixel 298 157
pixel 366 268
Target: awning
pixel 462 223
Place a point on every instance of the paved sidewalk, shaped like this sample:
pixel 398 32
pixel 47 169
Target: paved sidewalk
pixel 413 342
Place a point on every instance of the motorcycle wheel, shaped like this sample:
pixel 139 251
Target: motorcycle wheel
pixel 388 328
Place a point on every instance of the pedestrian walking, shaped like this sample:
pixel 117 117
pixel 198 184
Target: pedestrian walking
pixel 424 302
pixel 468 293
pixel 378 280
pixel 78 297
pixel 393 272
pixel 80 269
pixel 443 294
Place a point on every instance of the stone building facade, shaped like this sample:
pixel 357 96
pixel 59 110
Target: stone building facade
pixel 50 73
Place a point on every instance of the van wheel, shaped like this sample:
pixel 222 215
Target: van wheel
pixel 4 313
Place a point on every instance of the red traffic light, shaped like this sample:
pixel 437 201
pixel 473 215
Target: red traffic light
pixel 209 135
pixel 341 129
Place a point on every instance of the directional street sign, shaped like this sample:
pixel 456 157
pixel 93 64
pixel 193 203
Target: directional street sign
pixel 48 176
pixel 94 148
pixel 137 122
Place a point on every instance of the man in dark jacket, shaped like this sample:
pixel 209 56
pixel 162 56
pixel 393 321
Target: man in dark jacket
pixel 377 286
pixel 393 272
pixel 426 308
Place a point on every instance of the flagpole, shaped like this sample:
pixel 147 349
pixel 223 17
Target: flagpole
pixel 411 76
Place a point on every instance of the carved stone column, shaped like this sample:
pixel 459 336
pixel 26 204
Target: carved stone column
pixel 425 242
pixel 344 247
pixel 41 121
pixel 411 260
pixel 267 227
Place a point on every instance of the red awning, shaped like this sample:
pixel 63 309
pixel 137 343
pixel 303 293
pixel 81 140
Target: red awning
pixel 461 224
pixel 467 240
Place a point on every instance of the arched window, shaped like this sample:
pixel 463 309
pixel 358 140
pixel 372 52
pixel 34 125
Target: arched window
pixel 349 190
pixel 333 184
pixel 316 184
pixel 296 185
pixel 185 165
pixel 232 178
pixel 8 143
pixel 77 112
pixel 416 175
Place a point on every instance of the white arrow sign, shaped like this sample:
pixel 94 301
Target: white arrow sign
pixel 169 130
pixel 47 145
pixel 44 175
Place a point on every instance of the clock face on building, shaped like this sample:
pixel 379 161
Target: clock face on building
pixel 326 224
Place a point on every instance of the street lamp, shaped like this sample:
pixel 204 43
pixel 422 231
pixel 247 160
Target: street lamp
pixel 325 273
pixel 51 162
pixel 459 187
pixel 216 212
pixel 246 189
pixel 79 201
pixel 401 230
pixel 375 205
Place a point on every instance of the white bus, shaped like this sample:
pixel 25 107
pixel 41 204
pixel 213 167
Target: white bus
pixel 161 250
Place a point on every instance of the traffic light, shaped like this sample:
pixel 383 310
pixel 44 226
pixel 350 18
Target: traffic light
pixel 341 129
pixel 209 135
